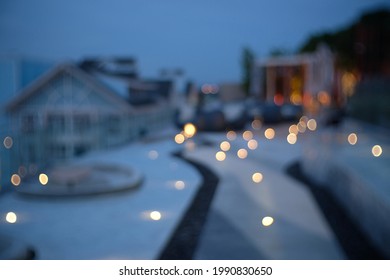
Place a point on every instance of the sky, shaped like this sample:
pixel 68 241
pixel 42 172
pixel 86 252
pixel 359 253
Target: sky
pixel 205 38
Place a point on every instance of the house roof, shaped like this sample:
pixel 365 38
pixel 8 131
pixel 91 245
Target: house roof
pixel 74 71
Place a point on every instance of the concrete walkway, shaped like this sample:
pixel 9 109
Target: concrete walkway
pixel 108 226
pixel 121 225
pixel 234 227
pixel 359 180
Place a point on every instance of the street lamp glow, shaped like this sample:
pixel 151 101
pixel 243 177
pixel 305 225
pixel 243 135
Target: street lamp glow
pixel 189 130
pixel 292 138
pixel 352 138
pixel 312 124
pixel 242 153
pixel 155 215
pixel 267 221
pixel 303 120
pixel 15 180
pixel 22 170
pixel 269 133
pixel 11 217
pixel 220 156
pixel 257 177
pixel 256 124
pixel 376 150
pixel 179 185
pixel 293 129
pixel 247 135
pixel 231 135
pixel 252 144
pixel 179 138
pixel 301 127
pixel 225 146
pixel 43 179
pixel 8 142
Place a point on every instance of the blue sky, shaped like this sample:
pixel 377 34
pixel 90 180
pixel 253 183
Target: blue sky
pixel 204 37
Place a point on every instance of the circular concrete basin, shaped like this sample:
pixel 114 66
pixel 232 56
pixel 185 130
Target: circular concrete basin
pixel 84 179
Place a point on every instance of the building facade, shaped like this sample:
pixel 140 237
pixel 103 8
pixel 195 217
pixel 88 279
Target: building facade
pixel 294 79
pixel 68 112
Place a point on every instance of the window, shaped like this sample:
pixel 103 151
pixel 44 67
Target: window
pixel 57 151
pixel 81 123
pixel 31 153
pixel 29 123
pixel 113 124
pixel 56 123
pixel 80 149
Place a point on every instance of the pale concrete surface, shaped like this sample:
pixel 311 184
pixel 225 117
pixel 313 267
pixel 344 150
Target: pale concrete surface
pixel 234 227
pixel 110 226
pixel 360 181
pixel 117 226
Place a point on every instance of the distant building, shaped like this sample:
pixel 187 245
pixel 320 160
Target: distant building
pixel 16 72
pixel 294 79
pixel 145 92
pixel 74 109
pixel 230 92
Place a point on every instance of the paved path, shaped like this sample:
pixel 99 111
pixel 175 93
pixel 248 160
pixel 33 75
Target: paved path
pixel 119 226
pixel 234 227
pixel 109 226
pixel 360 180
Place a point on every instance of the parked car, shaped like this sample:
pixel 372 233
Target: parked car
pixel 235 115
pixel 291 112
pixel 268 112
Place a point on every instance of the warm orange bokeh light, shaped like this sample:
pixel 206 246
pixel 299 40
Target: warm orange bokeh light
pixel 189 130
pixel 15 180
pixel 269 133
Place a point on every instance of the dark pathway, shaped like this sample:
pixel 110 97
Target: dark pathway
pixel 184 241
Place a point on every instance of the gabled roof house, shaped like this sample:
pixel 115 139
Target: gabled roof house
pixel 68 111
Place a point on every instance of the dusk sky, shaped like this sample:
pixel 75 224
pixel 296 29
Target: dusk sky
pixel 204 37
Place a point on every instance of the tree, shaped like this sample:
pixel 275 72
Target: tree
pixel 362 46
pixel 247 61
